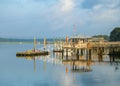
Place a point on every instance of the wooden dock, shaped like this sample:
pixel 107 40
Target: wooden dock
pixel 32 53
pixel 89 48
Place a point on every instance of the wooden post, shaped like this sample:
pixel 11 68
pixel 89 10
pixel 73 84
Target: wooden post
pixel 89 54
pixel 113 54
pixel 86 54
pixel 34 44
pixel 73 65
pixel 81 52
pixel 44 43
pixel 110 54
pixel 100 56
pixel 77 54
pixel 66 54
pixel 62 53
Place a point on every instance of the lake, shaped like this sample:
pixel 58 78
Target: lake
pixel 50 71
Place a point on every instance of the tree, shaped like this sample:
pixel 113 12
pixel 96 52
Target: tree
pixel 106 37
pixel 115 34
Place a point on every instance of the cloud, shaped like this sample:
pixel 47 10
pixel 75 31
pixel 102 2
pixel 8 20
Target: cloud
pixel 89 4
pixel 59 16
pixel 67 5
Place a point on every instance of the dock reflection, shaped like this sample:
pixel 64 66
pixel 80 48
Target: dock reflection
pixel 34 58
pixel 72 64
pixel 83 64
pixel 79 66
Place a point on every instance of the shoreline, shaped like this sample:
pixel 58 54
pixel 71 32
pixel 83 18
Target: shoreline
pixel 25 43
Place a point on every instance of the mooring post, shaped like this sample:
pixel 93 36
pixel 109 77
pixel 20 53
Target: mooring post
pixel 77 54
pixel 113 53
pixel 66 54
pixel 62 53
pixel 89 54
pixel 82 52
pixel 100 58
pixel 73 64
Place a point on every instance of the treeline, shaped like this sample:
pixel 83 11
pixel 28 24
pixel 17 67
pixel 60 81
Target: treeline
pixel 22 40
pixel 106 37
pixel 114 35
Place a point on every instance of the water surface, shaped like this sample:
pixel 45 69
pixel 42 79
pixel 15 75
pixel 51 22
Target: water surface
pixel 46 71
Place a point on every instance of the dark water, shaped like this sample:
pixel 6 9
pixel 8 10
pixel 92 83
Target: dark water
pixel 46 71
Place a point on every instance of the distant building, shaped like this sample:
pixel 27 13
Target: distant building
pixel 83 39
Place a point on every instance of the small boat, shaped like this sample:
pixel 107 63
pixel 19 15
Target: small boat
pixel 33 52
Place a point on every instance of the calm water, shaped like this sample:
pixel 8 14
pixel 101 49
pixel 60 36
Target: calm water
pixel 49 70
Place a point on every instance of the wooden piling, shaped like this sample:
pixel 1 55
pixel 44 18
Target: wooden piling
pixel 77 54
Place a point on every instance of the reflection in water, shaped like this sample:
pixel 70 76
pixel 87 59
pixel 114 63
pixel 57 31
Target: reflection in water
pixel 44 64
pixel 34 64
pixel 75 72
pixel 81 65
pixel 34 58
pixel 20 72
pixel 31 58
pixel 45 59
pixel 84 64
pixel 66 69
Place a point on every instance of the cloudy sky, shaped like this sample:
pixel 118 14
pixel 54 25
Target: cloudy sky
pixel 57 18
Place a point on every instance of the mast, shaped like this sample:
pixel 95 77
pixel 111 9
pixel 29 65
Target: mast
pixel 44 43
pixel 35 43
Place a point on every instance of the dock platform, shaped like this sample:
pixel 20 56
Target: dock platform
pixel 32 53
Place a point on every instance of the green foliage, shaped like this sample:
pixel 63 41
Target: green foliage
pixel 115 34
pixel 106 37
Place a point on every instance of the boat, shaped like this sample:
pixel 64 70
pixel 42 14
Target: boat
pixel 33 52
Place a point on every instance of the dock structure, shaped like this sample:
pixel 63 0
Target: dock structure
pixel 81 53
pixel 58 47
pixel 32 53
pixel 80 46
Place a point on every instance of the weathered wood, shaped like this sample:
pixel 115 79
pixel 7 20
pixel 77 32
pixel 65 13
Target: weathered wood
pixel 32 53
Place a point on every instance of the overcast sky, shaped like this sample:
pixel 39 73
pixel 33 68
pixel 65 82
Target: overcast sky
pixel 58 18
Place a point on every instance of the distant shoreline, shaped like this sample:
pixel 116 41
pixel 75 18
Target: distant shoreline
pixel 29 41
pixel 25 43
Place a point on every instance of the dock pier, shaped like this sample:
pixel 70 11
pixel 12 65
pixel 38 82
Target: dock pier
pixel 90 48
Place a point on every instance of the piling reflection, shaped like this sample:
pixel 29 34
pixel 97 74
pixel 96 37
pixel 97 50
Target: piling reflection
pixel 78 66
pixel 34 58
pixel 53 58
pixel 34 64
pixel 83 61
pixel 77 63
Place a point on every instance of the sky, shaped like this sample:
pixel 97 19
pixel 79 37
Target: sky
pixel 58 18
